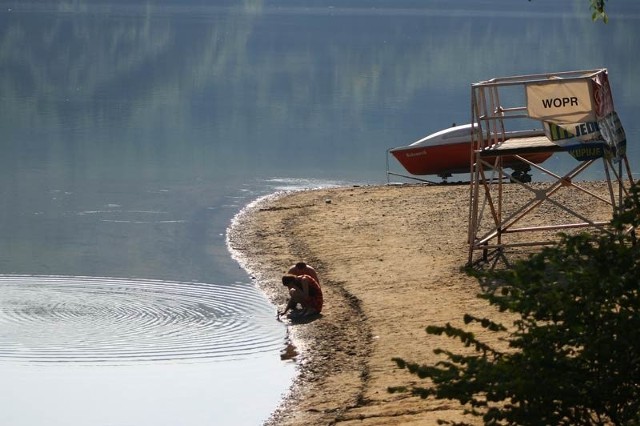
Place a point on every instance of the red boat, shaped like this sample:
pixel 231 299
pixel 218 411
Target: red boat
pixel 448 151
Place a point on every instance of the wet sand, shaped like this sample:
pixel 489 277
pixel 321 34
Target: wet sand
pixel 390 262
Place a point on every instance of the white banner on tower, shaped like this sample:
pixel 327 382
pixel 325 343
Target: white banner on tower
pixel 561 101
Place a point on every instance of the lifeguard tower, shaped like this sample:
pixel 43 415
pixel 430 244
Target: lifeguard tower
pixel 541 114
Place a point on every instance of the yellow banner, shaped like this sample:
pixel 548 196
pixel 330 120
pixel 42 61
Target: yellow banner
pixel 561 101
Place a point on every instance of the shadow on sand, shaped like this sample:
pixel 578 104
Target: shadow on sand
pixel 303 318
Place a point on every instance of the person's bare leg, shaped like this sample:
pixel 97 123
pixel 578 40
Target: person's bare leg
pixel 296 297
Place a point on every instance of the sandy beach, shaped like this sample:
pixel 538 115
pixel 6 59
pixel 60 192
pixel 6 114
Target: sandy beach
pixel 389 259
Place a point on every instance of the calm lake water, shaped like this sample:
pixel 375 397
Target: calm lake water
pixel 133 131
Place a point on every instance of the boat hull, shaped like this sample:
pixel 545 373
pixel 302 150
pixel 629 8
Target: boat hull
pixel 434 160
pixel 445 160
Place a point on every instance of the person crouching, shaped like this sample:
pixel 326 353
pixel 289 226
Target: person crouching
pixel 303 290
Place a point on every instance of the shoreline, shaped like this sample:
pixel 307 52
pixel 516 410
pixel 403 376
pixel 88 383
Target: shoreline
pixel 266 263
pixel 389 259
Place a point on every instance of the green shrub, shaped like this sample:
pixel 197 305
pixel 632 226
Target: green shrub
pixel 574 350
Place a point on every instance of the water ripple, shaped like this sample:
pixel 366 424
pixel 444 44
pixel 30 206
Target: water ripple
pixel 114 320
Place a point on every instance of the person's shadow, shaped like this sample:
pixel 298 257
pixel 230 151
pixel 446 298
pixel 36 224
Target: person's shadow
pixel 303 319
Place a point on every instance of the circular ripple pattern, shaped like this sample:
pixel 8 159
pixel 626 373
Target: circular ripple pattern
pixel 111 320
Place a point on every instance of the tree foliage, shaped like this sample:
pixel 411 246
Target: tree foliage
pixel 574 348
pixel 598 11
